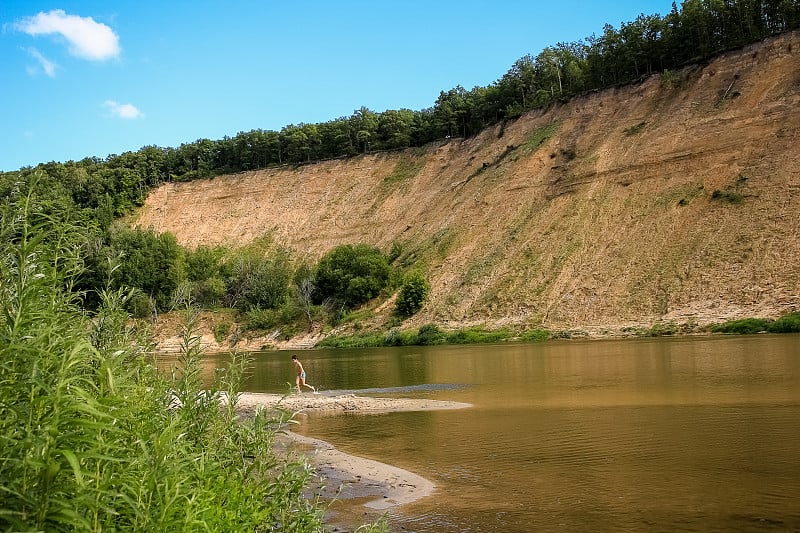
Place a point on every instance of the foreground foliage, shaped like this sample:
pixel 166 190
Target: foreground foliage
pixel 92 438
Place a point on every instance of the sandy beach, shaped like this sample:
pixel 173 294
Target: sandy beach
pixel 377 486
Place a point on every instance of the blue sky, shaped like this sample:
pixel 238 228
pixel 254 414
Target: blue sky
pixel 93 78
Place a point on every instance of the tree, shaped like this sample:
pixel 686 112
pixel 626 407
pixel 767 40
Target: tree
pixel 364 125
pixel 352 275
pixel 304 297
pixel 520 82
pixel 395 128
pixel 151 263
pixel 297 143
pixel 203 271
pixel 258 281
pixel 413 294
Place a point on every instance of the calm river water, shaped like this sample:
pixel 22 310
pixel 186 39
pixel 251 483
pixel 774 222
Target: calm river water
pixel 666 434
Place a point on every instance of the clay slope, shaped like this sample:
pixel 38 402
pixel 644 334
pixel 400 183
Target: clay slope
pixel 674 199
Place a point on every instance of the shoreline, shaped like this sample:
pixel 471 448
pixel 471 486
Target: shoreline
pixel 374 485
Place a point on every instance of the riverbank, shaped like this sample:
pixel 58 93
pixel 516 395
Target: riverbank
pixel 167 332
pixel 371 484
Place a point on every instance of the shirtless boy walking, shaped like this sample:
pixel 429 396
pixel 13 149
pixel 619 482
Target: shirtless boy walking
pixel 301 376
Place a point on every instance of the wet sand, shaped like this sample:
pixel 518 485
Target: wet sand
pixel 338 403
pixel 377 486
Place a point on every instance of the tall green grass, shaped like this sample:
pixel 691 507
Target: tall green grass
pixel 93 438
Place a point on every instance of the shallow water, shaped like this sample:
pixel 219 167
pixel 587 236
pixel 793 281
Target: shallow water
pixel 684 434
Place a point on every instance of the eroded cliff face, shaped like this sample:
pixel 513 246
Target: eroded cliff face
pixel 675 199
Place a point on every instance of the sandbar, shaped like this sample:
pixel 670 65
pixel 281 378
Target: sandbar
pixel 377 485
pixel 339 403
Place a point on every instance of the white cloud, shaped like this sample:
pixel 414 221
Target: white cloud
pixel 87 39
pixel 48 66
pixel 126 111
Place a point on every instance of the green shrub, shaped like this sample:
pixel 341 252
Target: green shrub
pixel 732 197
pixel 259 280
pixel 395 252
pixel 150 262
pixel 786 324
pixel 413 294
pixel 673 80
pixel 633 130
pixel 141 305
pixel 478 335
pixel 262 319
pixel 204 263
pixel 661 330
pixel 221 330
pixel 535 335
pixel 208 293
pixel 743 326
pixel 430 334
pixel 351 275
pixel 398 337
pixel 363 340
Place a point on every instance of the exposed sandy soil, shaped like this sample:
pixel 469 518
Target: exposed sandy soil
pixel 671 200
pixel 371 484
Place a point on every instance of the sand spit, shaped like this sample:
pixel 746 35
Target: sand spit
pixel 378 485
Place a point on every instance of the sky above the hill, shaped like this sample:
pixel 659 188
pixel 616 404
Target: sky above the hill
pixel 93 78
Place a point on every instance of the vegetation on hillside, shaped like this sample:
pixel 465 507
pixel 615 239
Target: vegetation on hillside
pixel 789 323
pixel 431 334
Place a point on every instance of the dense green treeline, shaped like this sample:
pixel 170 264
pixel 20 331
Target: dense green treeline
pixel 697 31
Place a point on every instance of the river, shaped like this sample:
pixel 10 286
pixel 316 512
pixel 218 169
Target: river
pixel 661 434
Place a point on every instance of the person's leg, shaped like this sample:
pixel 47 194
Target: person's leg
pixel 303 381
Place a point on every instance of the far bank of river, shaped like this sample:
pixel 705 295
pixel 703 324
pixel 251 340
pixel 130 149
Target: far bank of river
pixel 217 333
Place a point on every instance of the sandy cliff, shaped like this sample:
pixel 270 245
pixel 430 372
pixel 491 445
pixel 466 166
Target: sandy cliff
pixel 677 198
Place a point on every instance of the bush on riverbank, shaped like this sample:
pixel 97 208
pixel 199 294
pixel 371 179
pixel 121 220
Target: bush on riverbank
pixel 789 323
pixel 429 334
